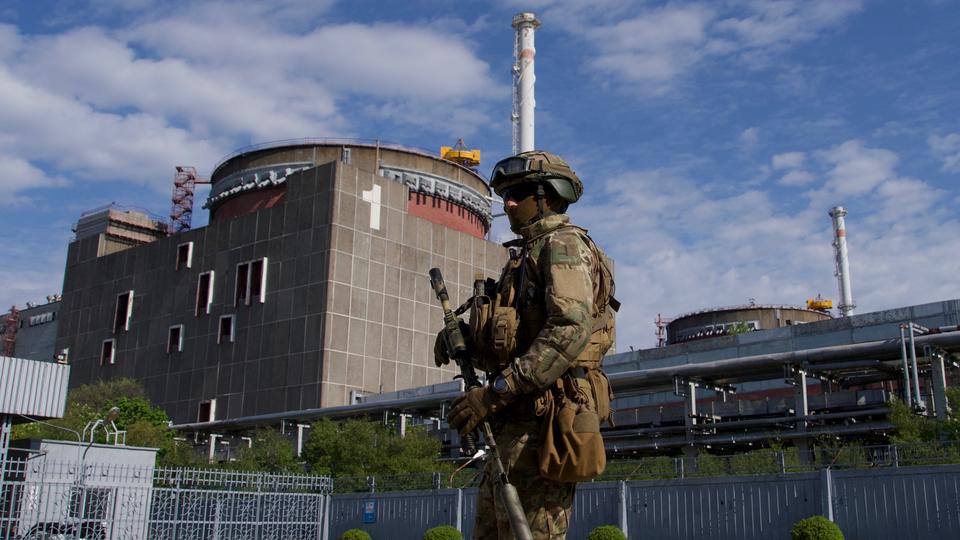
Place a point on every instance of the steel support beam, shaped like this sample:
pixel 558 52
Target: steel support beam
pixel 939 382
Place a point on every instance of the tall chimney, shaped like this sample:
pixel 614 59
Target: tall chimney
pixel 843 264
pixel 523 81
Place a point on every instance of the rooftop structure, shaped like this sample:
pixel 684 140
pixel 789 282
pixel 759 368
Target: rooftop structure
pixel 116 228
pixel 730 320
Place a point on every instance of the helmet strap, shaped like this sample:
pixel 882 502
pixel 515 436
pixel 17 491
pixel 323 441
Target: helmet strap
pixel 541 196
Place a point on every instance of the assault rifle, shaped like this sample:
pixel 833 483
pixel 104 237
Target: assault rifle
pixel 458 351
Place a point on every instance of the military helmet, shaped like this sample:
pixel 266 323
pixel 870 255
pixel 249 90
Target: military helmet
pixel 537 166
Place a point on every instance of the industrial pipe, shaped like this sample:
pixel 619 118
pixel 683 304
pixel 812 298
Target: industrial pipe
pixel 916 374
pixel 843 263
pixel 907 394
pixel 759 367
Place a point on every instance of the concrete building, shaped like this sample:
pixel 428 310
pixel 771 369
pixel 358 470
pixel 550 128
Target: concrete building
pixel 307 289
pixel 36 332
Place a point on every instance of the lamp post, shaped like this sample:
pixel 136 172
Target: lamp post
pixel 92 425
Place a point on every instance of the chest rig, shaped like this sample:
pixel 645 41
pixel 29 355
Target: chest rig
pixel 508 314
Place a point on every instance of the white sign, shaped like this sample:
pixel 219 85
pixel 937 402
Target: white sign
pixel 372 196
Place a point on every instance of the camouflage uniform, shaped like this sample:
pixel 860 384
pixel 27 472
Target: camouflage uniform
pixel 555 280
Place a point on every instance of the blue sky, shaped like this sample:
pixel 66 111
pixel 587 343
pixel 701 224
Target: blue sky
pixel 712 137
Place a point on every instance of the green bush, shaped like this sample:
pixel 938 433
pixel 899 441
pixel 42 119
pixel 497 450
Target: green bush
pixel 815 528
pixel 355 534
pixel 443 532
pixel 606 532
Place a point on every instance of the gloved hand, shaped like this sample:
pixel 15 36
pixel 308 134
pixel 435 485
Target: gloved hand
pixel 468 410
pixel 440 356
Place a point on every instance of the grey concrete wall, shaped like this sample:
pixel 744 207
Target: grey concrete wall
pixel 348 307
pixel 382 315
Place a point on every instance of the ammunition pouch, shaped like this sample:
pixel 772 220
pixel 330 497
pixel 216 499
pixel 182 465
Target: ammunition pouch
pixel 481 319
pixel 503 330
pixel 571 447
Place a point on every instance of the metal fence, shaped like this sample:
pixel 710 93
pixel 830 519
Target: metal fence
pixel 41 499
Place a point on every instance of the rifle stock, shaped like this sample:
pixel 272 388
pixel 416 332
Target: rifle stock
pixel 458 351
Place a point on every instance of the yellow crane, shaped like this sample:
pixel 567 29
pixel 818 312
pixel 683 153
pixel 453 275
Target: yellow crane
pixel 819 304
pixel 459 153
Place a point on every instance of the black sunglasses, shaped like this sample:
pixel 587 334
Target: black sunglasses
pixel 520 192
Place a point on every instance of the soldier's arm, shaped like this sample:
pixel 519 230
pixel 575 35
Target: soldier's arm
pixel 567 268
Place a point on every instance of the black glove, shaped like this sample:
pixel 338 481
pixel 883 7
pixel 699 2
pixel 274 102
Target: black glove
pixel 440 356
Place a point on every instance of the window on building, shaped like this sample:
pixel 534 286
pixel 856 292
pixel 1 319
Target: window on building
pixel 107 352
pixel 185 255
pixel 204 293
pixel 226 333
pixel 251 282
pixel 175 339
pixel 207 412
pixel 121 318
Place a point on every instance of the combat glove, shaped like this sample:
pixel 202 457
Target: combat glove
pixel 468 410
pixel 440 355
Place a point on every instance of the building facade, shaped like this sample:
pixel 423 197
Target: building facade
pixel 308 288
pixel 722 321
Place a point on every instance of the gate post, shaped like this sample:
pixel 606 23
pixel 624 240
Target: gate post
pixel 325 527
pixel 622 493
pixel 826 493
pixel 459 510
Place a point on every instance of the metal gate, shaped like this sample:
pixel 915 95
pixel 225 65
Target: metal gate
pixel 43 499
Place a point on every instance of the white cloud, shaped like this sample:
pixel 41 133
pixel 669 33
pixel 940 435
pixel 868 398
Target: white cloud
pixel 17 175
pixel 749 138
pixel 947 149
pixel 856 169
pixel 97 146
pixel 650 48
pixel 786 21
pixel 788 160
pixel 681 245
pixel 185 85
pixel 796 178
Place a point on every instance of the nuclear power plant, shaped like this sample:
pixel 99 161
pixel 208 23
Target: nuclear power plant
pixel 306 295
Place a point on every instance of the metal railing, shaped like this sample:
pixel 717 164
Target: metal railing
pixel 40 498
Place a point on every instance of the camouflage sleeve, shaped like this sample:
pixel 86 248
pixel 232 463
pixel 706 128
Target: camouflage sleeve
pixel 567 264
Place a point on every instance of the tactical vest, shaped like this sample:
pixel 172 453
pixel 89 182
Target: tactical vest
pixel 507 315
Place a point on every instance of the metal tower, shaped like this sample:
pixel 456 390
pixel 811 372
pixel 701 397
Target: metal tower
pixel 184 186
pixel 11 323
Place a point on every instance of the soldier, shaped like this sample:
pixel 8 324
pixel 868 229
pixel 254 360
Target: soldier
pixel 540 335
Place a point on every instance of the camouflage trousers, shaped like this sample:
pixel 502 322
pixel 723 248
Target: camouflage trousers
pixel 548 505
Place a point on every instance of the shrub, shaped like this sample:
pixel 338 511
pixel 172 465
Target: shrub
pixel 606 532
pixel 443 532
pixel 355 534
pixel 815 528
